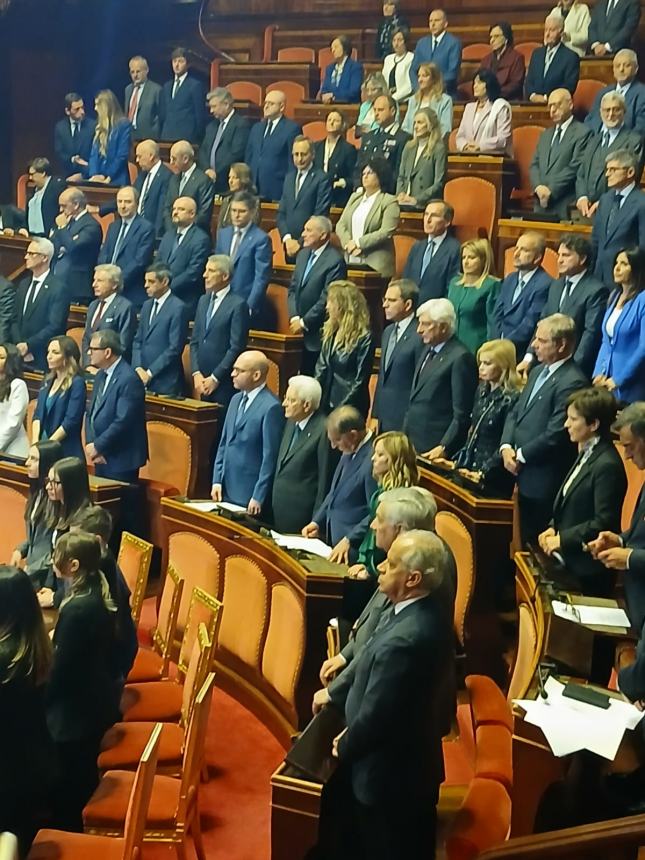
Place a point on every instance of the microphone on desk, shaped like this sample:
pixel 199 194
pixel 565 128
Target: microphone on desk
pixel 543 672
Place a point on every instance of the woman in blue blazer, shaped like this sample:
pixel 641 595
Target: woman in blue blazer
pixel 620 366
pixel 61 400
pixel 343 78
pixel 112 140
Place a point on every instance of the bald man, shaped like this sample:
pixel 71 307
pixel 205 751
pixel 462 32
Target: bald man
pixel 185 248
pixel 151 183
pixel 77 240
pixel 189 181
pixel 248 450
pixel 268 151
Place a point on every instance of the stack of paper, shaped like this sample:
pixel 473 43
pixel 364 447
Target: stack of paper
pixel 594 616
pixel 311 545
pixel 213 507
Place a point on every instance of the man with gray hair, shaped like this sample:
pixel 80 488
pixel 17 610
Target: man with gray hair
pixel 552 66
pixel 305 460
pixel 151 183
pixel 189 181
pixel 625 68
pixel 77 240
pixel 142 101
pixel 109 309
pixel 268 151
pixel 225 139
pixel 443 385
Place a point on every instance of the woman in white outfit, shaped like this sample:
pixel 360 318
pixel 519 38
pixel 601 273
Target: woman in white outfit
pixel 14 400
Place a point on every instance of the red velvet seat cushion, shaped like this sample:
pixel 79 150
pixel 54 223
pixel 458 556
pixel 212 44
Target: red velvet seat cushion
pixel 60 845
pixel 494 754
pixel 488 703
pixel 155 701
pixel 123 745
pixel 482 822
pixel 146 667
pixel 108 805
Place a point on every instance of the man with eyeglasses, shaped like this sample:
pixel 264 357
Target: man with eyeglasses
pixel 268 151
pixel 43 192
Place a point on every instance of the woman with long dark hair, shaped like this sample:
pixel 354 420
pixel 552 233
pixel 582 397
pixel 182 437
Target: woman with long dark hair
pixel 61 400
pixel 14 400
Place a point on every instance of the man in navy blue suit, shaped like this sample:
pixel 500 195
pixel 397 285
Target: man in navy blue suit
pixel 441 48
pixel 161 337
pixel 401 347
pixel 343 518
pixel 248 450
pixel 225 139
pixel 182 103
pixel 250 250
pixel 108 310
pixel 432 262
pixel 620 219
pixel 151 183
pixel 268 151
pixel 77 240
pixel 522 294
pixel 73 136
pixel 115 425
pixel 219 334
pixel 625 68
pixel 306 192
pixel 189 181
pixel 184 248
pixel 129 244
pixel 553 66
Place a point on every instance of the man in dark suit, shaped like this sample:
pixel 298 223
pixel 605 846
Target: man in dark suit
pixel 613 25
pixel 115 425
pixel 305 459
pixel 184 248
pixel 625 68
pixel 42 199
pixel 219 334
pixel 620 219
pixel 12 220
pixel 7 309
pixel 73 136
pixel 225 139
pixel 161 337
pixel 317 265
pixel 129 244
pixel 248 450
pixel 306 192
pixel 388 140
pixel 142 101
pixel 268 150
pixel 553 66
pixel 580 296
pixel 41 306
pixel 523 293
pixel 443 385
pixel 77 241
pixel 432 262
pixel 250 250
pixel 189 181
pixel 182 103
pixel 535 446
pixel 401 347
pixel 152 184
pixel 108 310
pixel 591 181
pixel 558 155
pixel 343 517
pixel 441 48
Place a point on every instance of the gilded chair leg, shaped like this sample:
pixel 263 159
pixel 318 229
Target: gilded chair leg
pixel 196 832
pixel 180 849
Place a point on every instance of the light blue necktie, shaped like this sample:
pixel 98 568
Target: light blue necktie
pixel 427 256
pixel 539 382
pixel 309 267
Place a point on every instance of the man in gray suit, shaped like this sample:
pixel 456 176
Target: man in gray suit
pixel 142 101
pixel 557 158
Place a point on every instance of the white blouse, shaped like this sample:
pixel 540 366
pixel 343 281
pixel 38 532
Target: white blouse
pixel 13 410
pixel 612 320
pixel 359 219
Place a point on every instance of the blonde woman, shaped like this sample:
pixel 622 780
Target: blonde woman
pixel 345 362
pixel 61 400
pixel 424 162
pixel 576 17
pixel 394 465
pixel 112 140
pixel 373 86
pixel 474 293
pixel 430 93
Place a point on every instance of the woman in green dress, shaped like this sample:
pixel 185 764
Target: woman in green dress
pixel 394 465
pixel 474 294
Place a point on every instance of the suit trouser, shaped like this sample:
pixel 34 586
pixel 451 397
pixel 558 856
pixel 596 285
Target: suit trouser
pixel 535 516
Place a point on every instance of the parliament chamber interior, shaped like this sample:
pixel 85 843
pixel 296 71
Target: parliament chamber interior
pixel 322 430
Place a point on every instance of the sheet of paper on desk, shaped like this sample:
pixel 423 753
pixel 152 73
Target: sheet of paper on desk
pixel 212 507
pixel 312 545
pixel 595 616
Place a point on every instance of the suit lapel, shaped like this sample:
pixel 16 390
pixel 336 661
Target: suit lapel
pixel 251 407
pixel 374 211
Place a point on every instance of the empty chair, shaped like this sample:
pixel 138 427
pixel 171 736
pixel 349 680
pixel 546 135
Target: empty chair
pixel 525 138
pixel 296 55
pixel 477 51
pixel 451 529
pixel 245 91
pixel 475 203
pixel 295 93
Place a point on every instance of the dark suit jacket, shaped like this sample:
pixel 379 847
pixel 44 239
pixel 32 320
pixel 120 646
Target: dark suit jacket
pixel 7 309
pixel 564 71
pixel 390 145
pixel 148 120
pixel 557 166
pixel 443 266
pixel 303 474
pixel 314 198
pixel 348 88
pixel 76 249
pixel 155 200
pixel 134 255
pixel 230 149
pixel 634 104
pixel 616 29
pixel 13 218
pixel 65 147
pixel 186 262
pixel 627 229
pixel 516 320
pixel 183 117
pixel 344 376
pixel 270 157
pixel 48 206
pixel 341 165
pixel 120 315
pixel 46 318
pixel 591 181
pixel 158 347
pixel 307 298
pixel 631 679
pixel 591 504
pixel 395 381
pixel 538 429
pixel 634 579
pixel 441 399
pixel 200 188
pixel 116 420
pixel 65 409
pixel 509 69
pixel 247 453
pixel 215 346
pixel 252 264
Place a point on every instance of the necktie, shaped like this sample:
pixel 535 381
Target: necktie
pixel 427 256
pixel 565 292
pixel 548 59
pixel 557 137
pixel 518 289
pixel 31 296
pixel 154 311
pixel 610 7
pixel 387 614
pixel 119 242
pixel 427 358
pixel 175 246
pixel 216 143
pixel 145 188
pixel 614 211
pixel 539 382
pixel 300 178
pixel 391 345
pixel 134 102
pixel 211 309
pixel 98 316
pixel 294 439
pixel 241 410
pixel 74 130
pixel 605 139
pixel 235 244
pixel 308 267
pixel 434 44
pixel 335 75
pixel 182 182
pixel 175 87
pixel 269 129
